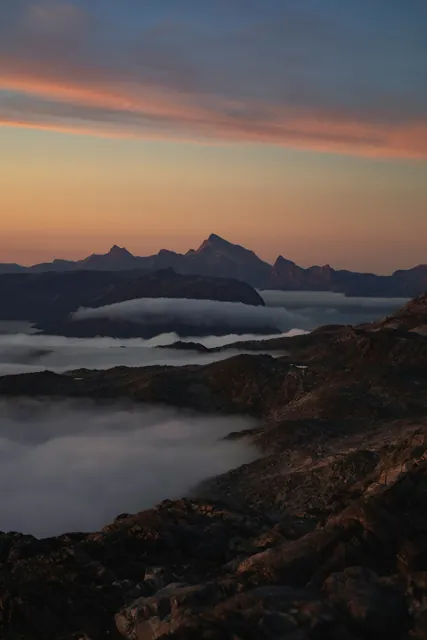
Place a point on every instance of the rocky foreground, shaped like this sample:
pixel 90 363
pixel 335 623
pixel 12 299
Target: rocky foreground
pixel 323 537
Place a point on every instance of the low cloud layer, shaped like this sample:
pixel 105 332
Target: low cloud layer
pixel 324 307
pixel 11 326
pixel 293 312
pixel 23 353
pixel 201 313
pixel 285 310
pixel 76 466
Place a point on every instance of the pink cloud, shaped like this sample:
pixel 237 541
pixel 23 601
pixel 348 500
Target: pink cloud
pixel 316 132
pixel 54 91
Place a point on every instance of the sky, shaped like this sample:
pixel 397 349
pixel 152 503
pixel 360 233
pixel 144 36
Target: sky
pixel 294 127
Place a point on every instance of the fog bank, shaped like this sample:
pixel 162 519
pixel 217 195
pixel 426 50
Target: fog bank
pixel 317 308
pixel 73 466
pixel 201 313
pixel 23 353
pixel 294 312
pixel 284 310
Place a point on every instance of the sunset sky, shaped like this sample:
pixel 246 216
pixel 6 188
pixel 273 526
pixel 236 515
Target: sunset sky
pixel 294 127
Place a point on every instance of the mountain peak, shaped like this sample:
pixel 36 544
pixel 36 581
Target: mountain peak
pixel 281 261
pixel 117 258
pixel 217 243
pixel 216 238
pixel 118 251
pixel 214 242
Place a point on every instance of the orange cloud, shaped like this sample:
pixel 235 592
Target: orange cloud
pixel 132 109
pixel 128 96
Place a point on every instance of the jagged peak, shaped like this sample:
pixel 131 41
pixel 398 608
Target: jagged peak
pixel 216 241
pixel 116 250
pixel 214 237
pixel 281 260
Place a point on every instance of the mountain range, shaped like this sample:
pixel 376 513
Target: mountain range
pixel 219 258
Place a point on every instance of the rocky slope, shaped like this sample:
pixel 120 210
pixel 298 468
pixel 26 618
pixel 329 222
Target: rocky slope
pixel 219 258
pixel 323 537
pixel 412 317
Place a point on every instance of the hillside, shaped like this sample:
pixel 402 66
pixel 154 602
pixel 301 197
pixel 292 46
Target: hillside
pixel 412 317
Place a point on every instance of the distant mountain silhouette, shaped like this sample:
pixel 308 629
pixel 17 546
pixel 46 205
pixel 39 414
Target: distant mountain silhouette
pixel 232 259
pixel 117 259
pixel 216 257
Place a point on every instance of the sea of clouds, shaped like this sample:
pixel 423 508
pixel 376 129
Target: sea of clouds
pixel 206 314
pixel 317 308
pixel 290 312
pixel 75 466
pixel 29 353
pixel 284 310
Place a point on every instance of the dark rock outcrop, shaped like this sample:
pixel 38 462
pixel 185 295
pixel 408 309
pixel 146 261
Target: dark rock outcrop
pixel 412 317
